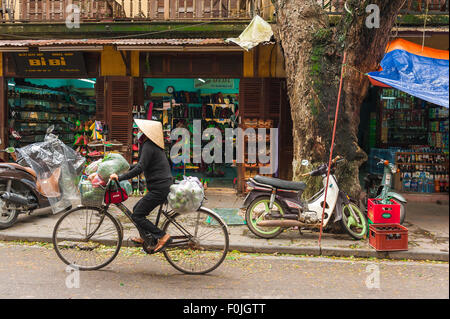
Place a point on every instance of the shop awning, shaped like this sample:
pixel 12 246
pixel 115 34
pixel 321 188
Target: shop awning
pixel 421 73
pixel 205 44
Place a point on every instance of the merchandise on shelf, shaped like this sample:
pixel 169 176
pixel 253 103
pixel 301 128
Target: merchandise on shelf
pixel 423 170
pixel 32 109
pixel 407 120
pixel 248 169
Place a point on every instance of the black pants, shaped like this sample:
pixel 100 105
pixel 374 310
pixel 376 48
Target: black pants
pixel 155 197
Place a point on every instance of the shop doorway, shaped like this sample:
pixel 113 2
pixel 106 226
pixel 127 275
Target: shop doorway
pixel 35 104
pixel 177 103
pixel 410 132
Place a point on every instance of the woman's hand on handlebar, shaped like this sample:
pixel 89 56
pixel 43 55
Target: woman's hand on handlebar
pixel 113 177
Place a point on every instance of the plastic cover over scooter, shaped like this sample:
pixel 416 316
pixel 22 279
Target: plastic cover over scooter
pixel 58 168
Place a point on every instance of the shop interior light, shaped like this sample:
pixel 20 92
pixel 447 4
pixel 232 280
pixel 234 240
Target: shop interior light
pixel 12 84
pixel 201 80
pixel 71 48
pixel 87 80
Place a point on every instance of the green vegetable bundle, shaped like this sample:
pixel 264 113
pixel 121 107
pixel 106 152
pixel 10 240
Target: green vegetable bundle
pixel 112 164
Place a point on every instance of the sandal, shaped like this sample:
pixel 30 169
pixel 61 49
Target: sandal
pixel 137 240
pixel 163 247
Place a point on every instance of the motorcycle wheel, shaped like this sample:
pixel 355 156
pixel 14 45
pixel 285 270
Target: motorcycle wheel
pixel 357 230
pixel 8 215
pixel 257 211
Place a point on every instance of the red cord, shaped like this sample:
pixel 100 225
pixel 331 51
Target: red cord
pixel 332 145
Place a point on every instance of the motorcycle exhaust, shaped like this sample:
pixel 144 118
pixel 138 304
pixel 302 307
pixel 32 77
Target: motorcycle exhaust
pixel 280 223
pixel 16 199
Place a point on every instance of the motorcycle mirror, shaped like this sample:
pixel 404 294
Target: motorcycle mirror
pixel 10 150
pixel 305 162
pixel 50 129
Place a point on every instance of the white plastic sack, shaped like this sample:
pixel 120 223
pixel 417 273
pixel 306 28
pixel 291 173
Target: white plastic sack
pixel 186 196
pixel 256 32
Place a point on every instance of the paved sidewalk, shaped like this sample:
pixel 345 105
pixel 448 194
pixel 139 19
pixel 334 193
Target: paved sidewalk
pixel 428 225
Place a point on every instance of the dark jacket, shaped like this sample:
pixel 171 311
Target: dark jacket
pixel 154 164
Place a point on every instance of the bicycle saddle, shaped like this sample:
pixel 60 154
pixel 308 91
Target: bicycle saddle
pixel 279 183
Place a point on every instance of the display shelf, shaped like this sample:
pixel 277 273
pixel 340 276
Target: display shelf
pixel 406 120
pixel 426 171
pixel 249 170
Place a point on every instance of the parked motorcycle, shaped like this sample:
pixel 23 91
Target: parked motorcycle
pixel 381 187
pixel 273 205
pixel 24 190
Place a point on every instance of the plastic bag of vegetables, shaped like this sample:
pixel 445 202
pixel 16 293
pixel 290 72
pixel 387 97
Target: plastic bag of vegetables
pixel 92 168
pixel 112 164
pixel 187 195
pixel 126 185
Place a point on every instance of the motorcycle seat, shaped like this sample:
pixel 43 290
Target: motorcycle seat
pixel 50 186
pixel 23 168
pixel 279 183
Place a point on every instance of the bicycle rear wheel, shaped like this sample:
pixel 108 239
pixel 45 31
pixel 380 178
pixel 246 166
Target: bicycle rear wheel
pixel 87 238
pixel 200 241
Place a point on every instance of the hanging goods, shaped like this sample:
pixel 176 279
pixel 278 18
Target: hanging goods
pixel 186 196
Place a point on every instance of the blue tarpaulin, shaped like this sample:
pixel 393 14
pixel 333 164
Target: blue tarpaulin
pixel 424 73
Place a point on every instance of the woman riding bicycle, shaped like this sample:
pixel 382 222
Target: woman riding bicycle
pixel 154 164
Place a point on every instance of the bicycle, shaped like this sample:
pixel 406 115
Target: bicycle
pixel 90 237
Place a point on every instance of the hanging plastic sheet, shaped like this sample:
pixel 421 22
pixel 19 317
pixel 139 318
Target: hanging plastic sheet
pixel 423 73
pixel 256 32
pixel 58 169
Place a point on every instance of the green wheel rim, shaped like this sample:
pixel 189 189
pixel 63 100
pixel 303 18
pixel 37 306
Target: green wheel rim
pixel 351 222
pixel 264 230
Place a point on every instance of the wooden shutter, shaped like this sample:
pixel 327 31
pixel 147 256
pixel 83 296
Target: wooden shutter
pixel 273 93
pixel 286 141
pixel 251 97
pixel 119 111
pixel 100 99
pixel 261 97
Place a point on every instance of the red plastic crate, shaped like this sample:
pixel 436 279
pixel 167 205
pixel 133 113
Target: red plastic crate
pixel 388 237
pixel 383 213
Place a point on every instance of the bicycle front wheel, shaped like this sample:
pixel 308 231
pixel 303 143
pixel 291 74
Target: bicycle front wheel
pixel 87 238
pixel 200 241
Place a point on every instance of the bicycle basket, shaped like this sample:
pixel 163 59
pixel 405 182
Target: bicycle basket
pixel 90 195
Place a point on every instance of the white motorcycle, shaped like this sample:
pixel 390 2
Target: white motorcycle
pixel 273 205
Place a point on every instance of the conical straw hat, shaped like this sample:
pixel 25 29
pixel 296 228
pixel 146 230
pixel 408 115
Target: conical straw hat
pixel 153 130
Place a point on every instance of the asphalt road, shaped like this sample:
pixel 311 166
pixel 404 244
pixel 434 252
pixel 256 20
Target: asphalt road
pixel 36 272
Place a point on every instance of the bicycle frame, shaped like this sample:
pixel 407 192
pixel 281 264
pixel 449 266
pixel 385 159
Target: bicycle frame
pixel 168 214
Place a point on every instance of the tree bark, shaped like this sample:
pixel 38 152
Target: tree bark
pixel 313 57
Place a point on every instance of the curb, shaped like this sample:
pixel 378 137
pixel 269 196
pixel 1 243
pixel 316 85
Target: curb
pixel 307 250
pixel 344 252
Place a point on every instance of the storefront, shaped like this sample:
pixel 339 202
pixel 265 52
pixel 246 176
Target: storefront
pixel 410 132
pixel 112 83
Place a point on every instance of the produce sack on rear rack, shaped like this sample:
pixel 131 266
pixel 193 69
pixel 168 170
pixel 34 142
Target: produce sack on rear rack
pixel 112 164
pixel 186 196
pixel 58 168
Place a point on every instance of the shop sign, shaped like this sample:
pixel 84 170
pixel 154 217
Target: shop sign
pixel 214 84
pixel 49 63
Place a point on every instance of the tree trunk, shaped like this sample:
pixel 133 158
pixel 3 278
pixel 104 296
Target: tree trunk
pixel 313 57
